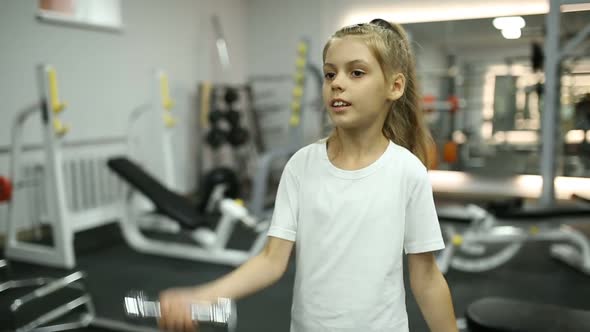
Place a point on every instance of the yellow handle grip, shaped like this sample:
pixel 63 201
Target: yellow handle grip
pixel 302 48
pixel 297 91
pixel 299 77
pixel 206 89
pixel 59 127
pixel 167 103
pixel 169 120
pixel 457 240
pixel 300 62
pixel 295 120
pixel 56 105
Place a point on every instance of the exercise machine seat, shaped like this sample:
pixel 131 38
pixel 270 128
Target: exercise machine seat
pixel 497 314
pixel 167 202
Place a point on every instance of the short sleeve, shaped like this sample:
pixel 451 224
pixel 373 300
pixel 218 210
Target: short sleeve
pixel 422 229
pixel 284 218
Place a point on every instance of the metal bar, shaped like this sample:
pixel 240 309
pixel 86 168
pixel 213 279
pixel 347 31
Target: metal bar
pixel 55 313
pixel 550 113
pixel 11 284
pixel 16 173
pixel 569 48
pixel 71 144
pixel 46 290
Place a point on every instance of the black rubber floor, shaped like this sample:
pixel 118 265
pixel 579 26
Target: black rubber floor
pixel 113 269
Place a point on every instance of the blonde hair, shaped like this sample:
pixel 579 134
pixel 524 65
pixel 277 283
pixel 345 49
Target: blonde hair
pixel 404 124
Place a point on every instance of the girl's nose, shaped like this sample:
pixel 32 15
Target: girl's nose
pixel 337 83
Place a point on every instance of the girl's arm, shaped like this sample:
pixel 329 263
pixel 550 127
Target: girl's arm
pixel 257 273
pixel 431 292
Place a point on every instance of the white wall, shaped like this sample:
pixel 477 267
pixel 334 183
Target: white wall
pixel 103 75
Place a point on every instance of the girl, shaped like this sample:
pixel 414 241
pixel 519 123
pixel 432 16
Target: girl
pixel 353 203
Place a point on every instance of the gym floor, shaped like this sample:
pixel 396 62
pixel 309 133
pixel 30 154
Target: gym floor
pixel 113 269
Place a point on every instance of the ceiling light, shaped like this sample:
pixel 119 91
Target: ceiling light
pixel 511 33
pixel 510 22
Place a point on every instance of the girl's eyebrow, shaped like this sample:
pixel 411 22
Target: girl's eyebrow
pixel 352 62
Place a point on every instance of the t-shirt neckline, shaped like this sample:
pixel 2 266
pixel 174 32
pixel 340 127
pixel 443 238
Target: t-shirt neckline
pixel 357 173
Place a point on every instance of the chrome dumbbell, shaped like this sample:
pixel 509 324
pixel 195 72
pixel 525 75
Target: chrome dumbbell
pixel 214 317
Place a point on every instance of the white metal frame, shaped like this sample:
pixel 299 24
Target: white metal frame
pixel 213 245
pixel 484 230
pixel 163 110
pixel 65 222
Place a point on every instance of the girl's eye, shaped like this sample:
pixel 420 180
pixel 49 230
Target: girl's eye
pixel 357 73
pixel 329 76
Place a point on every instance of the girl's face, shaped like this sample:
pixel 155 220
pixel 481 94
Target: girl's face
pixel 355 91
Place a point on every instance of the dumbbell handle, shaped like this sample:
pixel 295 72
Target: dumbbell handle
pixel 221 314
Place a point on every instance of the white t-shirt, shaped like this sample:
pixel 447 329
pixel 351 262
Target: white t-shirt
pixel 350 230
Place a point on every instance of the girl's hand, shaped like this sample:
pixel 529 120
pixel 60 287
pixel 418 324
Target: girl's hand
pixel 175 308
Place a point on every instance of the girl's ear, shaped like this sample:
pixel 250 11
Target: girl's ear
pixel 397 87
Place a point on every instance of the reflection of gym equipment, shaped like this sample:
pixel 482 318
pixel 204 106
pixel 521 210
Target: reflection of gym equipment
pixel 450 106
pixel 503 315
pixel 577 140
pixel 483 229
pixel 467 251
pixel 76 192
pixel 472 186
pixel 180 210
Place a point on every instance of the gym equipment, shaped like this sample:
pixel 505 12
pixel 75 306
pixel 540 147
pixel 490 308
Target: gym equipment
pixel 5 189
pixel 258 199
pixel 164 106
pixel 179 209
pixel 555 51
pixel 483 230
pixel 221 44
pixel 44 287
pixel 77 192
pixel 473 186
pixel 220 316
pixel 218 183
pixel 496 314
pixel 236 135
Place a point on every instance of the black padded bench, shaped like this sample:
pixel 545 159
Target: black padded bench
pixel 496 314
pixel 167 202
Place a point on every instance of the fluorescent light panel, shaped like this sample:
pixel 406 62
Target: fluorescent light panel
pixel 417 13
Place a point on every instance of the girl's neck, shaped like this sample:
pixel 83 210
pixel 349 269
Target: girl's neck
pixel 353 150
